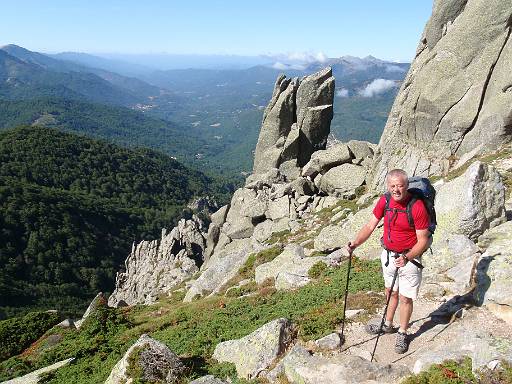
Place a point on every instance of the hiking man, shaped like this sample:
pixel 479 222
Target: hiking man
pixel 403 246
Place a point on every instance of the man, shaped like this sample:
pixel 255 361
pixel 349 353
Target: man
pixel 403 247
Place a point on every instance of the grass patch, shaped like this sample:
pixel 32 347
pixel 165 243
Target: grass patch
pixel 18 333
pixel 317 270
pixel 247 271
pixel 279 237
pixel 192 330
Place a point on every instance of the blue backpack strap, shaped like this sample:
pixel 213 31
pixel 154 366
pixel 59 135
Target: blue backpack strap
pixel 410 204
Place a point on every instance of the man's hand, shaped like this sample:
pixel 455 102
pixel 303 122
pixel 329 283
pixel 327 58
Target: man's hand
pixel 400 261
pixel 350 248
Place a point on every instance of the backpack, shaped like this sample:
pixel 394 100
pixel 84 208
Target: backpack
pixel 421 189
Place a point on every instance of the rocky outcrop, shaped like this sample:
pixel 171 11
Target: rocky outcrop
pixel 471 203
pixel 290 269
pixel 300 367
pixel 481 346
pixel 36 376
pixel 155 267
pixel 457 95
pixel 258 350
pixel 494 271
pixel 296 123
pixel 99 300
pixel 150 359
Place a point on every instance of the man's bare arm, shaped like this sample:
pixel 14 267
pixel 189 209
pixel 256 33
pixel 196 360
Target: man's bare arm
pixel 424 241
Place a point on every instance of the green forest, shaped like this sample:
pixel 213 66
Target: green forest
pixel 71 208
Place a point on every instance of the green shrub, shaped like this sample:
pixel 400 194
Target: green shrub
pixel 18 333
pixel 317 270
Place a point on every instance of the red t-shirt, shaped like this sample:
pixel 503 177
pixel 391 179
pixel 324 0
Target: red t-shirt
pixel 402 235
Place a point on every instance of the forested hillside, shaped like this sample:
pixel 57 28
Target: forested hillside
pixel 71 208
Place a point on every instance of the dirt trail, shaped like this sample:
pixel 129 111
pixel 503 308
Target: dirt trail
pixel 425 330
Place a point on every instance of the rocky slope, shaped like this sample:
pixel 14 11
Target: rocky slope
pixel 456 97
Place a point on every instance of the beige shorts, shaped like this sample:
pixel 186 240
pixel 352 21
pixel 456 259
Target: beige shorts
pixel 409 276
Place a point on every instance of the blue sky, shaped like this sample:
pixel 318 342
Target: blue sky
pixel 385 29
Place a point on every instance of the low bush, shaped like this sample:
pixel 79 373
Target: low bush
pixel 18 333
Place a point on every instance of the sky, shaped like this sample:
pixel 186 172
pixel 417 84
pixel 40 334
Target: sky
pixel 385 29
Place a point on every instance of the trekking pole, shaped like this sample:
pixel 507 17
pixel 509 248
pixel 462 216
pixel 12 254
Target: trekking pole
pixel 385 312
pixel 346 294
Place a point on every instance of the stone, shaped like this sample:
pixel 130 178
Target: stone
pixel 301 367
pixel 98 301
pixel 360 149
pixel 494 271
pixel 323 160
pixel 337 236
pixel 448 253
pixel 259 181
pixel 330 238
pixel 288 281
pixel 219 217
pixel 211 240
pixel 279 208
pixel 456 95
pixel 154 359
pixel 154 268
pixel 66 323
pixel 263 231
pixel 240 227
pixel 289 269
pixel 209 379
pixel 257 351
pixel 295 123
pixel 329 343
pixel 35 376
pixel 223 266
pixel 304 186
pixel 342 179
pixel 478 344
pixel 471 203
pixel 277 121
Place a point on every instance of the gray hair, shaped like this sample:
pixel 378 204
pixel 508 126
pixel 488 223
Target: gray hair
pixel 397 173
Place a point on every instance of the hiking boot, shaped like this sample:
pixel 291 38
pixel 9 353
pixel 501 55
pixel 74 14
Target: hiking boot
pixel 401 343
pixel 373 329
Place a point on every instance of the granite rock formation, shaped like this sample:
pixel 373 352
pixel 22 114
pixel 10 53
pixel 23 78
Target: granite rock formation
pixel 457 97
pixel 155 267
pixel 296 123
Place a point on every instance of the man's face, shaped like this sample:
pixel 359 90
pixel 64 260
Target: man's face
pixel 397 186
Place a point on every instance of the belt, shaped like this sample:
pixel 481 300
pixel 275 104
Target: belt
pixel 415 262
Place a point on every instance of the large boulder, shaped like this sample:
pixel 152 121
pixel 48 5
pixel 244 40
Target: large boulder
pixel 295 123
pixel 98 301
pixel 223 266
pixel 494 271
pixel 471 203
pixel 461 342
pixel 156 267
pixel 323 160
pixel 155 362
pixel 300 367
pixel 289 269
pixel 456 95
pixel 257 351
pixel 337 236
pixel 342 179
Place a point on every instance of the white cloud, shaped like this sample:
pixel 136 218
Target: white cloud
pixel 279 65
pixel 342 92
pixel 376 87
pixel 394 68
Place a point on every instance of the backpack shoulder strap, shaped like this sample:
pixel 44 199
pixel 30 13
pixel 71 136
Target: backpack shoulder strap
pixel 410 204
pixel 387 196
